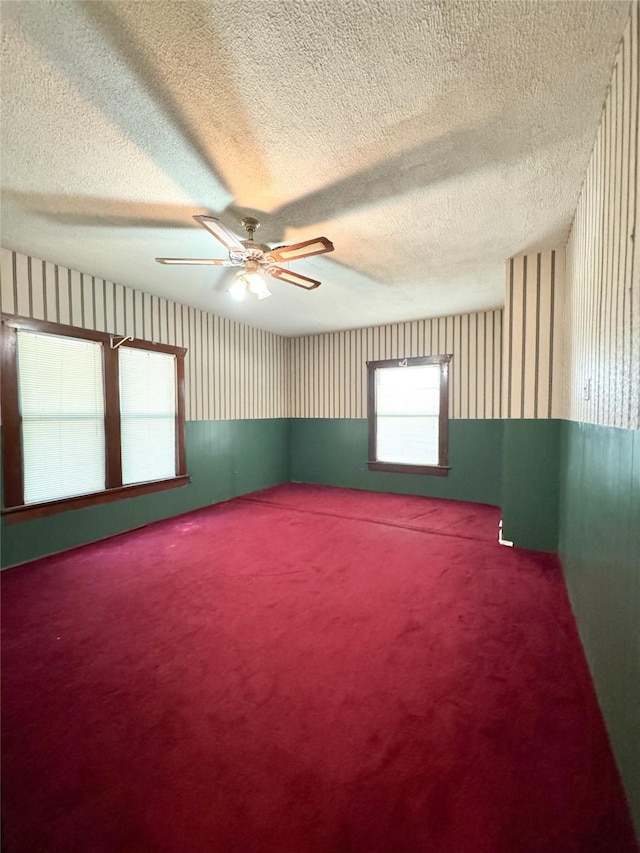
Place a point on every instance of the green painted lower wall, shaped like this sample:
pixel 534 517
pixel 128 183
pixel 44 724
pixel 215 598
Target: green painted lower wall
pixel 508 463
pixel 600 554
pixel 530 462
pixel 334 452
pixel 224 459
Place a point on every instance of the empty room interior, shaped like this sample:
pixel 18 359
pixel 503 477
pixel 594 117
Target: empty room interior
pixel 320 355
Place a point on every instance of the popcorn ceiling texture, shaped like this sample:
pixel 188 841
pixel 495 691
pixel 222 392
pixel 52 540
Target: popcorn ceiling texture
pixel 429 141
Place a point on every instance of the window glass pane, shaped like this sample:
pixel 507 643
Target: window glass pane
pixel 407 403
pixel 408 390
pixel 61 396
pixel 407 440
pixel 148 415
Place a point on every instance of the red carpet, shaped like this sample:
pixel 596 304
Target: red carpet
pixel 266 676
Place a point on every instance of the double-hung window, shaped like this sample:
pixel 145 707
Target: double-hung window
pixel 408 401
pixel 87 418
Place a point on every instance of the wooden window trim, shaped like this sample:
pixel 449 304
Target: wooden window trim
pixel 443 467
pixel 113 450
pixel 14 508
pixel 27 512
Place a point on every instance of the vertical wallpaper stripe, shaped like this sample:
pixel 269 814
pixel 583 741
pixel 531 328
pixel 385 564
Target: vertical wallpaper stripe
pixel 602 310
pixel 327 373
pixel 232 371
pixel 533 340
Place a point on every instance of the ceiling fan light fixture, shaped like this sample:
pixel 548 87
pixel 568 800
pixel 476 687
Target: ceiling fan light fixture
pixel 249 281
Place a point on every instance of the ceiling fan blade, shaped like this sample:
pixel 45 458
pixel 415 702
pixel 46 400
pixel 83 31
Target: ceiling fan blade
pixel 221 232
pixel 216 262
pixel 317 246
pixel 294 278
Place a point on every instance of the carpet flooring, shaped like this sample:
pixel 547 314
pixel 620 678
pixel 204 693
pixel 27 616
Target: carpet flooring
pixel 303 670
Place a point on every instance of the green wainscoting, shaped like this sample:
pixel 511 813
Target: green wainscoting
pixel 334 452
pixel 224 459
pixel 530 462
pixel 600 554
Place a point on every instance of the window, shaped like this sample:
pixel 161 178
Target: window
pixel 86 421
pixel 61 403
pixel 147 414
pixel 408 403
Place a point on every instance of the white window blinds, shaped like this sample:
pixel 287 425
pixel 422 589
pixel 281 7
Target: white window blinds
pixel 407 414
pixel 147 415
pixel 61 398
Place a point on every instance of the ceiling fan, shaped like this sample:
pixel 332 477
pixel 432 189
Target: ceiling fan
pixel 255 258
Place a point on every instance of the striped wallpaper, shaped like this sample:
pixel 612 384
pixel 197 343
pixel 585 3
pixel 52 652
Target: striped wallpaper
pixel 232 371
pixel 602 362
pixel 327 377
pixel 533 335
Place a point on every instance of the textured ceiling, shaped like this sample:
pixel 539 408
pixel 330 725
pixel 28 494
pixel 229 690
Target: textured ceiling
pixel 428 140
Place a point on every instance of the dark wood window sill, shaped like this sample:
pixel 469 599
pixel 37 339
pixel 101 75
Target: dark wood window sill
pixel 28 512
pixel 396 468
